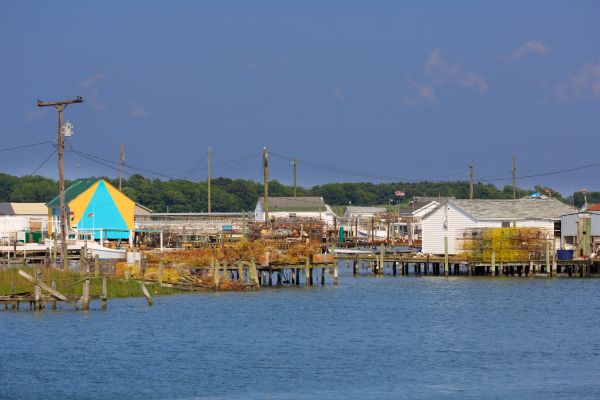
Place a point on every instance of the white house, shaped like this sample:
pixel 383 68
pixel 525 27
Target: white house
pixel 581 232
pixel 295 207
pixel 452 217
pixel 21 218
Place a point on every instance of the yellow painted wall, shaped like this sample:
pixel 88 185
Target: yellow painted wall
pixel 78 205
pixel 124 204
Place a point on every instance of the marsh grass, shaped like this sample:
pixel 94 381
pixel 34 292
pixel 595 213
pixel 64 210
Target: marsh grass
pixel 71 283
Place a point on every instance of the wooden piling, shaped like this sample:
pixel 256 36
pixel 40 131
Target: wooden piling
pixel 307 275
pixel 53 285
pixel 146 294
pixel 104 296
pixel 335 274
pixel 85 299
pixel 446 263
pixel 37 292
pixel 322 276
pixel 297 276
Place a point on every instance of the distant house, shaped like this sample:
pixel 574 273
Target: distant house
pixel 452 217
pixel 23 221
pixel 363 212
pixel 94 205
pixel 295 207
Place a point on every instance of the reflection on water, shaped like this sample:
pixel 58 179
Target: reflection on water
pixel 392 337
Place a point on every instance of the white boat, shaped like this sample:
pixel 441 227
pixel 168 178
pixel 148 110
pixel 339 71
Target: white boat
pixel 78 240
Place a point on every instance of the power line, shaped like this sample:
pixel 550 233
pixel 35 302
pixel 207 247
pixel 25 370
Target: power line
pixel 26 146
pixel 43 163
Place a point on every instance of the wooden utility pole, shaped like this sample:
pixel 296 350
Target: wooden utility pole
pixel 294 162
pixel 266 182
pixel 471 174
pixel 60 106
pixel 514 176
pixel 208 180
pixel 121 159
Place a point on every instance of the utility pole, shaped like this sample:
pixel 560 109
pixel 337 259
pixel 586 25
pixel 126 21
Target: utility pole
pixel 60 106
pixel 121 159
pixel 514 176
pixel 294 162
pixel 471 174
pixel 208 180
pixel 266 181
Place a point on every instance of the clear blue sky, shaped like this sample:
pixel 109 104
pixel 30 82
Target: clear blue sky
pixel 419 90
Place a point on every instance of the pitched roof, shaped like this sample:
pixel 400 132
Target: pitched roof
pixel 298 204
pixel 73 191
pixel 419 202
pixel 593 207
pixel 530 208
pixel 8 208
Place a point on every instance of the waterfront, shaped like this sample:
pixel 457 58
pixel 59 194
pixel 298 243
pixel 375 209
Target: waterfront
pixel 369 337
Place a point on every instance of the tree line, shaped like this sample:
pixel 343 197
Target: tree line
pixel 241 195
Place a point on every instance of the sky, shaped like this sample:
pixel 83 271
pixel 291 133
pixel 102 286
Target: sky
pixel 355 91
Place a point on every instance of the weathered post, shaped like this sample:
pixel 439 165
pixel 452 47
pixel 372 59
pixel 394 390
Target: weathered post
pixel 394 268
pixel 297 276
pixel 493 264
pixel 104 297
pixel 446 264
pixel 159 276
pixel 335 274
pixel 146 294
pixel 381 270
pixel 53 285
pixel 548 265
pixel 355 268
pixel 81 258
pixel 307 274
pixel 85 299
pixel 322 276
pixel 13 291
pixel 37 291
pixel 426 265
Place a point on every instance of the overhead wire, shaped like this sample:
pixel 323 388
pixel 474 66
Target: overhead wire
pixel 43 162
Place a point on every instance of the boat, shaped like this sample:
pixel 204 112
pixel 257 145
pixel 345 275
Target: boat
pixel 78 240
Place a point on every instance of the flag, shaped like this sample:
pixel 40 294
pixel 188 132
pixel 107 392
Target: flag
pixel 90 214
pixel 399 193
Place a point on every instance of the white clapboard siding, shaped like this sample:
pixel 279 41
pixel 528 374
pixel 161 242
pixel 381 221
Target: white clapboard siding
pixel 434 231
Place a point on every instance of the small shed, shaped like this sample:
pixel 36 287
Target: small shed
pixel 95 205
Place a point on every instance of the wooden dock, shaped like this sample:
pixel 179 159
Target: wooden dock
pixel 404 264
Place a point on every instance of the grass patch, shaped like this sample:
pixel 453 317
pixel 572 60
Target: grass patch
pixel 71 283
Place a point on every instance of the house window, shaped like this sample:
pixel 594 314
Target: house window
pixel 557 229
pixel 506 224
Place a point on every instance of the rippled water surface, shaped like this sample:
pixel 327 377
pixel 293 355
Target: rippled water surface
pixel 368 338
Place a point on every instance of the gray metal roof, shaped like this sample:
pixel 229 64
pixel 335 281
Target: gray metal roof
pixel 531 208
pixel 294 204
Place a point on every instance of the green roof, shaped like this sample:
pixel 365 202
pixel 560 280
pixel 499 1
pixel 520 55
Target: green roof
pixel 72 191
